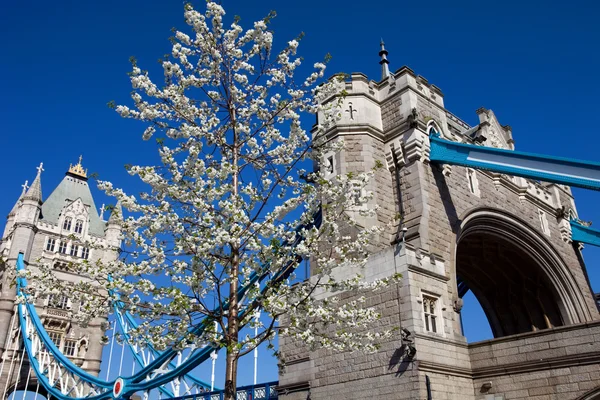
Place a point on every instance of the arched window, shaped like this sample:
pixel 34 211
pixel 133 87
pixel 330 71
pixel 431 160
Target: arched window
pixel 74 250
pixel 67 224
pixel 62 248
pixel 50 245
pixel 78 226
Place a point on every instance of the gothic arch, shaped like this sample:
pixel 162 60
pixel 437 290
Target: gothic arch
pixel 433 125
pixel 521 282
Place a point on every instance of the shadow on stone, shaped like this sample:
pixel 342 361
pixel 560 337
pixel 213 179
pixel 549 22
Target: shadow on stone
pixel 400 360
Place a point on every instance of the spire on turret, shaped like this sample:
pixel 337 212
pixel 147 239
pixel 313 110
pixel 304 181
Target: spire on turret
pixel 35 191
pixel 116 216
pixel 16 206
pixel 385 69
pixel 78 170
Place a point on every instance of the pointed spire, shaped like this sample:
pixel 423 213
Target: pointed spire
pixel 385 69
pixel 35 191
pixel 116 216
pixel 16 206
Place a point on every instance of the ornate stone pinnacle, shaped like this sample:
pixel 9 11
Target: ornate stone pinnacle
pixel 77 169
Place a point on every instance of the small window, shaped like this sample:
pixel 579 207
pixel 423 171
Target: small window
pixel 85 253
pixel 78 226
pixel 544 222
pixel 430 314
pixel 62 248
pixel 50 245
pixel 69 348
pixel 329 164
pixel 472 182
pixel 61 302
pixel 74 250
pixel 56 337
pixel 67 224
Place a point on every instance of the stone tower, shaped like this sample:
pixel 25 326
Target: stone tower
pixel 505 238
pixel 55 231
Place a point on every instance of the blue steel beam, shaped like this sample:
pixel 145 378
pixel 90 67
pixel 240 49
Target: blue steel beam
pixel 565 171
pixel 585 234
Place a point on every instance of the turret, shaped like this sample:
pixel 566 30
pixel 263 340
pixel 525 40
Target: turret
pixel 113 226
pixel 10 218
pixel 26 217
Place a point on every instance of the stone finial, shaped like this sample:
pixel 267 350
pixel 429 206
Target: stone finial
pixel 35 191
pixel 385 69
pixel 102 211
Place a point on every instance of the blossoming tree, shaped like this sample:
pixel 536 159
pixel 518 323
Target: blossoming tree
pixel 235 195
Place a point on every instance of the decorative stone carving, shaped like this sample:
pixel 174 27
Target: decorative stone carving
pixel 458 305
pixel 394 156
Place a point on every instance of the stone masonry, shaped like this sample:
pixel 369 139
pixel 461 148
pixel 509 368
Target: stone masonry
pixel 59 231
pixel 505 238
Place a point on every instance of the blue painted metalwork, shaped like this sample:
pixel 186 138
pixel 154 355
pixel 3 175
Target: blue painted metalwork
pixel 559 170
pixel 153 375
pixel 584 234
pixel 27 311
pixel 262 391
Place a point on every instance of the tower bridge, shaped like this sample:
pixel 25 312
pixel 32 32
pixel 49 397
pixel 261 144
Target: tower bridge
pixel 476 215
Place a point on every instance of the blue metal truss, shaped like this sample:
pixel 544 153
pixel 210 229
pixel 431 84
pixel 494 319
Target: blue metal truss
pixel 565 171
pixel 584 234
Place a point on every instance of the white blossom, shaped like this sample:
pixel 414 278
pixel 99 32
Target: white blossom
pixel 231 198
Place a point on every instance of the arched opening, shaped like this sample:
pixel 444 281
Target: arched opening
pixel 518 280
pixel 26 389
pixel 513 290
pixel 30 394
pixel 473 320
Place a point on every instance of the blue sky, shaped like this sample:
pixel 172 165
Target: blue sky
pixel 534 63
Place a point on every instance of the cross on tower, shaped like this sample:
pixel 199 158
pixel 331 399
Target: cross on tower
pixel 25 186
pixel 40 168
pixel 80 158
pixel 351 110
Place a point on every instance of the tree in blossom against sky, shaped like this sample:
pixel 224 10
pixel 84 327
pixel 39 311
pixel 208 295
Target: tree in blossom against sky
pixel 234 197
pixel 531 62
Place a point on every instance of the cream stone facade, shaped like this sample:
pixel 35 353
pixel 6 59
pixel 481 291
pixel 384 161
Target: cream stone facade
pixel 64 228
pixel 505 238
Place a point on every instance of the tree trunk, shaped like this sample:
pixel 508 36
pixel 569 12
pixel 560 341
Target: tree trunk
pixel 231 361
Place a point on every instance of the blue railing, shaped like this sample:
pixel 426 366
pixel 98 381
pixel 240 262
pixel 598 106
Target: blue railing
pixel 261 391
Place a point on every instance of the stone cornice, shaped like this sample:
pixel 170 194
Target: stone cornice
pixel 298 361
pixel 293 387
pixel 428 366
pixel 431 274
pixel 354 129
pixel 544 332
pixel 537 365
pixel 441 339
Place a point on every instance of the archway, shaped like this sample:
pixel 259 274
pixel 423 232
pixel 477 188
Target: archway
pixel 521 284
